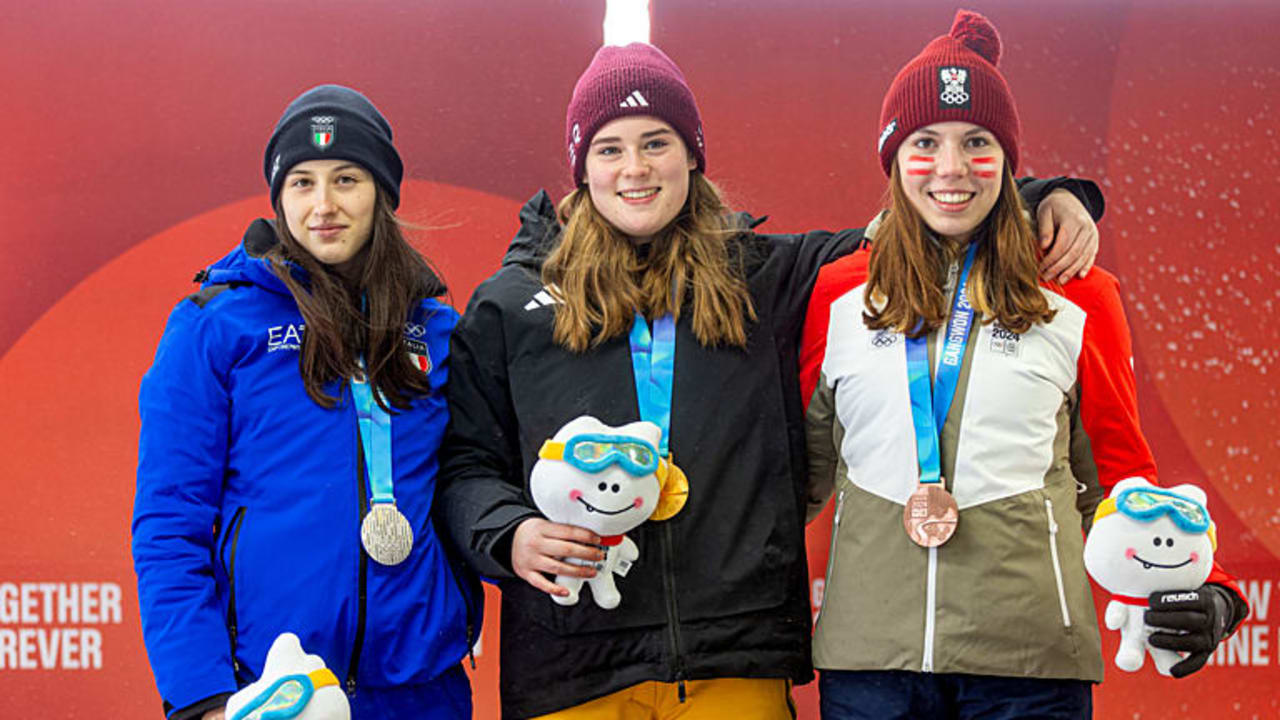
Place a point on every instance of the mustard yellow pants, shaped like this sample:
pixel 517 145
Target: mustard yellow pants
pixel 736 698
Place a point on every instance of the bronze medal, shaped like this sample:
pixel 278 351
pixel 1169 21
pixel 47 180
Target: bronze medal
pixel 931 515
pixel 386 535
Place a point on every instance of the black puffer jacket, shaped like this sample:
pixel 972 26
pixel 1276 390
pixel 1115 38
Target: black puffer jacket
pixel 720 589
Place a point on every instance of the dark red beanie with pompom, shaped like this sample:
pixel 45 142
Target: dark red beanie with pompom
pixel 953 78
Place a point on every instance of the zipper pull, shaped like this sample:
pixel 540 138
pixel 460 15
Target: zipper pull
pixel 680 691
pixel 235 662
pixel 351 686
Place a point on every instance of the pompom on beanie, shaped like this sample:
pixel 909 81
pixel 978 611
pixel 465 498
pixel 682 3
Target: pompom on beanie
pixel 953 78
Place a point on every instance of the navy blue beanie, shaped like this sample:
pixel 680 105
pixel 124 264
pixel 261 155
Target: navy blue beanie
pixel 331 122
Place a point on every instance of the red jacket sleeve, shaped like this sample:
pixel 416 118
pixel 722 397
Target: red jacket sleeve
pixel 1108 396
pixel 834 280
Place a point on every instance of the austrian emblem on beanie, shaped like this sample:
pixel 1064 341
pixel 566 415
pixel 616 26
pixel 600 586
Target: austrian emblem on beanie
pixel 953 88
pixel 955 78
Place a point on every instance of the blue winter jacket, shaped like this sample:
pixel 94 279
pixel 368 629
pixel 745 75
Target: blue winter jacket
pixel 250 497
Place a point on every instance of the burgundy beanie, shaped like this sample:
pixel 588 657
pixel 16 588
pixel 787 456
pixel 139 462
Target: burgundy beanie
pixel 953 78
pixel 636 79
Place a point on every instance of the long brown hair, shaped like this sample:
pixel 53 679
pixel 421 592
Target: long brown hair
pixel 601 281
pixel 908 267
pixel 393 279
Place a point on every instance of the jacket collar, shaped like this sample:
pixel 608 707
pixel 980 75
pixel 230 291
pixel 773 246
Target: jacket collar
pixel 539 231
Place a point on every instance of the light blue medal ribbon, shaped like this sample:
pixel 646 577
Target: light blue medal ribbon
pixel 375 434
pixel 384 532
pixel 930 405
pixel 653 357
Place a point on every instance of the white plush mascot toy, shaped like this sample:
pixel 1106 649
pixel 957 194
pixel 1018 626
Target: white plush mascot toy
pixel 1147 539
pixel 293 685
pixel 607 480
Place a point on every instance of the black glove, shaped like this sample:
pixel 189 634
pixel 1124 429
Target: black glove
pixel 1192 621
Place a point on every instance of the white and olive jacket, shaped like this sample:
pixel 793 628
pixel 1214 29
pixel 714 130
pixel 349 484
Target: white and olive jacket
pixel 1042 424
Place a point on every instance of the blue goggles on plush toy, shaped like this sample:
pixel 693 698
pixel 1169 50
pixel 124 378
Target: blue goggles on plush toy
pixel 594 452
pixel 286 697
pixel 1150 503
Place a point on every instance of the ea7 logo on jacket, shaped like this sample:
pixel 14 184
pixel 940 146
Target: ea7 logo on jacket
pixel 285 337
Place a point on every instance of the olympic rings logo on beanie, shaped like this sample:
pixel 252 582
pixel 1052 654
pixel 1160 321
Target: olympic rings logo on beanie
pixel 635 79
pixel 953 78
pixel 333 122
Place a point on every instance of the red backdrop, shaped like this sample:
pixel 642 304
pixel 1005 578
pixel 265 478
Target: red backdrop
pixel 133 134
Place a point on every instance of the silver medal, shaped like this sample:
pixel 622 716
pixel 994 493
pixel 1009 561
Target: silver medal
pixel 386 534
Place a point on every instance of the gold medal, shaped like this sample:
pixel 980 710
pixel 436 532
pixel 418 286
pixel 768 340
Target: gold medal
pixel 931 515
pixel 386 534
pixel 674 491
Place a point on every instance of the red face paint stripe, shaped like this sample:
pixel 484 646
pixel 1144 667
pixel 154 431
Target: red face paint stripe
pixel 984 160
pixel 920 172
pixel 919 158
pixel 982 173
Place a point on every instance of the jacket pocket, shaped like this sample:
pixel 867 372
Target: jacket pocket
pixel 1057 565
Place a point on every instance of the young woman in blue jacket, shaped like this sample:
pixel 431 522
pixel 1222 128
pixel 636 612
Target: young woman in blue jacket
pixel 287 460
